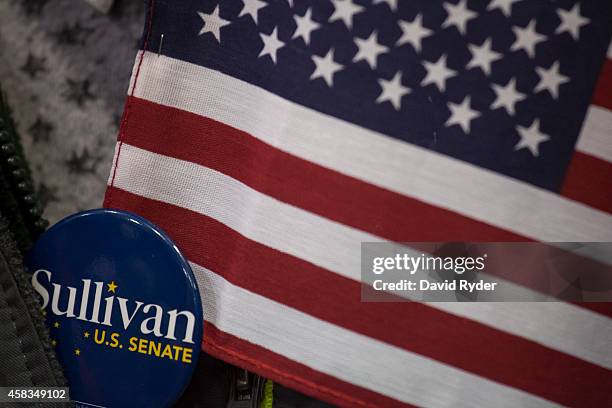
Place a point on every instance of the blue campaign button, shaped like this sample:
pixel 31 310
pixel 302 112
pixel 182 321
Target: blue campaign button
pixel 122 306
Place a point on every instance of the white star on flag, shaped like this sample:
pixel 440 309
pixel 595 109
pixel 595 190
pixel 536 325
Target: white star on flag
pixel 504 5
pixel 458 15
pixel 305 26
pixel 437 73
pixel 392 90
pixel 527 38
pixel 461 114
pixel 212 23
pixel 369 49
pixel 550 79
pixel 251 8
pixel 571 21
pixel 271 44
pixel 531 138
pixel 483 56
pixel 413 32
pixel 507 97
pixel 325 67
pixel 344 10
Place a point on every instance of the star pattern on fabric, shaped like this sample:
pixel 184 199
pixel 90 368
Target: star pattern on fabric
pixel 325 67
pixel 40 130
pixel 78 91
pixel 345 10
pixel 271 44
pixel 413 32
pixel 462 114
pixel 82 163
pixel 571 21
pixel 251 8
pixel 46 194
pixel 483 56
pixel 550 80
pixel 505 6
pixel 33 7
pixel 305 26
pixel 531 137
pixel 212 23
pixel 507 97
pixel 73 34
pixel 369 49
pixel 34 65
pixel 437 73
pixel 392 90
pixel 527 38
pixel 458 15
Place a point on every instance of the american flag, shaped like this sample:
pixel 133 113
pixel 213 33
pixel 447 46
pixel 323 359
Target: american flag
pixel 270 139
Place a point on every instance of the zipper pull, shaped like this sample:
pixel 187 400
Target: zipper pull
pixel 245 390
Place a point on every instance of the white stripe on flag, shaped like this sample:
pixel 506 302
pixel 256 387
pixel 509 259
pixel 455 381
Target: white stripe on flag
pixel 596 136
pixel 346 355
pixel 334 246
pixel 370 156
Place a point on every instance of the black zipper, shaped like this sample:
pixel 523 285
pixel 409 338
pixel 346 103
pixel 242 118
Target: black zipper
pixel 19 199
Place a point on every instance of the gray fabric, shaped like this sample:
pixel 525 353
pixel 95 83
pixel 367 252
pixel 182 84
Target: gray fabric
pixel 65 70
pixel 25 357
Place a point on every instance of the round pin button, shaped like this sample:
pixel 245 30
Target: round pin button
pixel 122 306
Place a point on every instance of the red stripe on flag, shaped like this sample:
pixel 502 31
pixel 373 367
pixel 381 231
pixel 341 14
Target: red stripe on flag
pixel 602 95
pixel 186 136
pixel 589 180
pixel 290 373
pixel 415 327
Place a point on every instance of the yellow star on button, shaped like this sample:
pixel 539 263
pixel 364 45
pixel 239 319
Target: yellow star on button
pixel 56 325
pixel 86 334
pixel 53 342
pixel 77 352
pixel 112 286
